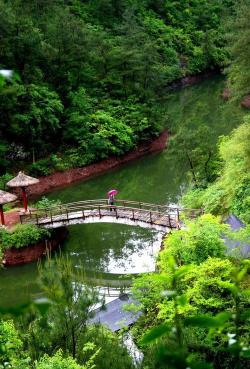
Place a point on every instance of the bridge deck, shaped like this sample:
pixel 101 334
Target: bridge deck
pixel 129 212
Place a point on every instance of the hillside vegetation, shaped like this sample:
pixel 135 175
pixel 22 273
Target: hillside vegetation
pixel 91 76
pixel 90 81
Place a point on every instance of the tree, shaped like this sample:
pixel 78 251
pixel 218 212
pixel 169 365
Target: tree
pixel 66 320
pixel 239 51
pixel 230 192
pixel 39 116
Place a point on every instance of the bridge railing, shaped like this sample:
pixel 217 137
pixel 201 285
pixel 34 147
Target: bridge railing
pixel 152 213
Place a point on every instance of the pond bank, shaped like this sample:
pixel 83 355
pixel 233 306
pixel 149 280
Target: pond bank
pixel 69 176
pixel 27 254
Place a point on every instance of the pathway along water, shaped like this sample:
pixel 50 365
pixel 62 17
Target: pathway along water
pixel 109 250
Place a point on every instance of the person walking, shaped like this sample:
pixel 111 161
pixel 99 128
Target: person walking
pixel 111 199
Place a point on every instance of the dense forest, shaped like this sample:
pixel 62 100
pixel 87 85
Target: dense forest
pixel 94 74
pixel 90 80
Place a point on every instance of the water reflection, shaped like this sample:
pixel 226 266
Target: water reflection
pixel 113 248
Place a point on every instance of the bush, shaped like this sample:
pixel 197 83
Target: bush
pixel 45 203
pixel 58 362
pixel 202 238
pixel 241 202
pixel 11 347
pixel 41 167
pixel 22 235
pixel 4 179
pixel 193 199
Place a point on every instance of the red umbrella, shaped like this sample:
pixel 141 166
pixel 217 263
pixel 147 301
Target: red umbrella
pixel 112 192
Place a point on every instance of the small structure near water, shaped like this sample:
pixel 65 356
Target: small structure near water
pixel 114 316
pixel 242 248
pixel 5 198
pixel 22 181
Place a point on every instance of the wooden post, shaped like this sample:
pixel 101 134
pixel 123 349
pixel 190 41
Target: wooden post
pixel 83 215
pixel 178 215
pixel 67 214
pixel 24 196
pixel 51 218
pixel 2 215
pixel 21 218
pixel 150 215
pixel 99 210
pixel 116 213
pixel 133 215
pixel 169 221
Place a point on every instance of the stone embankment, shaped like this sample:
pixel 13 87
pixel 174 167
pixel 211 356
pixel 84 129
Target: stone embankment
pixel 23 255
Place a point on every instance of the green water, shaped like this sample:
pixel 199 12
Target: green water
pixel 112 250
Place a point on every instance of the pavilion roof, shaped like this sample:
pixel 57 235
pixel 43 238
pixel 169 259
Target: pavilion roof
pixel 6 197
pixel 22 180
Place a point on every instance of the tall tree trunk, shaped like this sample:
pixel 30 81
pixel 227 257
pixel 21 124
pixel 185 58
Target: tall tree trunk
pixel 192 169
pixel 206 164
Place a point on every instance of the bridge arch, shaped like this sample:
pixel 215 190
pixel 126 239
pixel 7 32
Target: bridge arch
pixel 160 217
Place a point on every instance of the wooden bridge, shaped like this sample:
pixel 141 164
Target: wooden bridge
pixel 145 215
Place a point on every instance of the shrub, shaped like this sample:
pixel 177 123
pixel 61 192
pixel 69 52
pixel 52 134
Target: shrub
pixel 45 203
pixel 4 179
pixel 202 238
pixel 41 167
pixel 11 347
pixel 22 235
pixel 58 362
pixel 193 199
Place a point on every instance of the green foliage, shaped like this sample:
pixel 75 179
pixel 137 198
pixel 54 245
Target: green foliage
pixel 202 238
pixel 209 297
pixel 193 199
pixel 65 322
pixel 230 192
pixel 95 74
pixel 11 348
pixel 112 354
pixel 46 203
pixel 4 179
pixel 22 235
pixel 58 362
pixel 238 31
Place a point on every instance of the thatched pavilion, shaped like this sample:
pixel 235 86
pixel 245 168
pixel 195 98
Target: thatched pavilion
pixel 23 181
pixel 5 198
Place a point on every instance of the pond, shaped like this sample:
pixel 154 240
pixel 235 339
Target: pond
pixel 110 251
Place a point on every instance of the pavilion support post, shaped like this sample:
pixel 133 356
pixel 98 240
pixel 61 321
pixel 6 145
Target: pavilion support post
pixel 24 196
pixel 2 215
